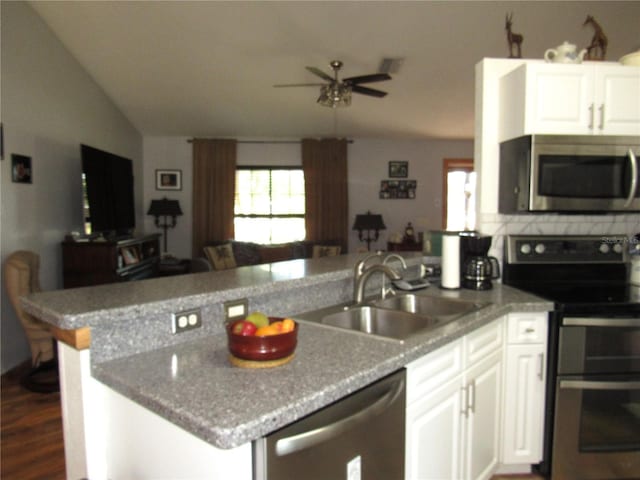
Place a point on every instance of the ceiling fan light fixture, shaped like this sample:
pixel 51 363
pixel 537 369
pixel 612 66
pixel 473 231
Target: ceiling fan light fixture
pixel 335 95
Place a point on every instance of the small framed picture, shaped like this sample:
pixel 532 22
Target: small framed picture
pixel 21 168
pixel 168 179
pixel 130 256
pixel 398 169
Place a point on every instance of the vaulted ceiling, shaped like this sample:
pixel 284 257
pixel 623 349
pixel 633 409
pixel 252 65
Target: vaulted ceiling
pixel 207 68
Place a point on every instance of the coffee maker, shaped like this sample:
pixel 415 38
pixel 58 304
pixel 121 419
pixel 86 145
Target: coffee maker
pixel 477 268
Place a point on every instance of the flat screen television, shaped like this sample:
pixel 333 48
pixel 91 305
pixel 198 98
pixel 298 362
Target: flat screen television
pixel 108 192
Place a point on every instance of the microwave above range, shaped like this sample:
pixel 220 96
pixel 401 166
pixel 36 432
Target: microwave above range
pixel 569 174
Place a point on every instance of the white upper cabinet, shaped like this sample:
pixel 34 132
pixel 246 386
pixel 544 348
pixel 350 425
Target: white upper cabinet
pixel 593 98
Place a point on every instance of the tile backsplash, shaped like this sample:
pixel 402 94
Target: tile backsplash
pixel 498 226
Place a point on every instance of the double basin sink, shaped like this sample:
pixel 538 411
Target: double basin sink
pixel 398 317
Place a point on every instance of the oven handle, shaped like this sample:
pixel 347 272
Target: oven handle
pixel 634 178
pixel 600 322
pixel 598 385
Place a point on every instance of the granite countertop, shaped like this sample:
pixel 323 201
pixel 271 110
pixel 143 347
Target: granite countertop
pixel 193 384
pixel 188 379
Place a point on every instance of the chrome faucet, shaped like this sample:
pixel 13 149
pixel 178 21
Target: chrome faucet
pixel 358 292
pixel 359 267
pixel 389 290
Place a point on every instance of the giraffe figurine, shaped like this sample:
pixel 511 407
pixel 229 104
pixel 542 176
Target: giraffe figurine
pixel 514 39
pixel 599 41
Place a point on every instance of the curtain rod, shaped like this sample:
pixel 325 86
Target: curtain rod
pixel 190 140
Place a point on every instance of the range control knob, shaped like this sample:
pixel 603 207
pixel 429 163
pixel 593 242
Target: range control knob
pixel 540 248
pixel 604 248
pixel 525 249
pixel 617 248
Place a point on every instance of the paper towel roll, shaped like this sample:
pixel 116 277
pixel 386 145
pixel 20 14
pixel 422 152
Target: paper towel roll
pixel 450 260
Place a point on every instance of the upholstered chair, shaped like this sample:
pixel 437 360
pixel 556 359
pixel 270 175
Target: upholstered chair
pixel 21 277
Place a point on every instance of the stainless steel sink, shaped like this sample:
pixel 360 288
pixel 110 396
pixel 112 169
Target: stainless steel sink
pixel 396 317
pixel 395 324
pixel 444 309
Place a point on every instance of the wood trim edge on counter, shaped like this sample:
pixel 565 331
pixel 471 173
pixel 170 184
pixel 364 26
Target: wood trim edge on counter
pixel 80 339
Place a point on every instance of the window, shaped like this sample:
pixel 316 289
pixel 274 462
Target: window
pixel 269 205
pixel 459 195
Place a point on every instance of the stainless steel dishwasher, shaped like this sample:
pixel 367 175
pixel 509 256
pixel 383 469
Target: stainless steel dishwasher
pixel 359 437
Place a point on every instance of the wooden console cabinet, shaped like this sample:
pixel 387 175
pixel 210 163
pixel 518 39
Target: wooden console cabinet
pixel 404 247
pixel 99 262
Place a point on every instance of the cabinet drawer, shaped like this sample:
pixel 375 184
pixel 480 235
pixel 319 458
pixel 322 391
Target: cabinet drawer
pixel 527 327
pixel 433 370
pixel 483 342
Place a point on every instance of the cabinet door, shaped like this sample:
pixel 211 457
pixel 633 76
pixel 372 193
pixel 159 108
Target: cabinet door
pixel 483 387
pixel 433 435
pixel 523 404
pixel 617 101
pixel 429 373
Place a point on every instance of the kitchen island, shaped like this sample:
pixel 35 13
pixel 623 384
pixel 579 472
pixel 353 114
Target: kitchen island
pixel 185 383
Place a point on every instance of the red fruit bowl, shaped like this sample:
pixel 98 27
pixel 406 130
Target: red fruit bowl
pixel 271 347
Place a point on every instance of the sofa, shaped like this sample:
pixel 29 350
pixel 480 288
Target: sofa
pixel 232 253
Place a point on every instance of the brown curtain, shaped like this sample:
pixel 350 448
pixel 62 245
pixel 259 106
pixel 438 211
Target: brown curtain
pixel 214 174
pixel 327 201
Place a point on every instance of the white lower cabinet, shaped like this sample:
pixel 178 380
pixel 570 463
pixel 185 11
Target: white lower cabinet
pixel 453 402
pixel 525 367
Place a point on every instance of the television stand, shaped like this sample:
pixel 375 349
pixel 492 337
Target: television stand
pixel 109 261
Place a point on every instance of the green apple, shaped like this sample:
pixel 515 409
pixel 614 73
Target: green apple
pixel 259 319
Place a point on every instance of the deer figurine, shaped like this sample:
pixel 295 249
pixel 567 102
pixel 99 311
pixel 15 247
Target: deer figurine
pixel 599 41
pixel 513 38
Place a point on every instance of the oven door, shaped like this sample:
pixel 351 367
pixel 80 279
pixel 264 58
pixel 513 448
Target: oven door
pixel 597 428
pixel 595 345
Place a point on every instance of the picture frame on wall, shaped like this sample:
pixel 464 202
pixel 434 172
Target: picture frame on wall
pixel 168 179
pixel 21 171
pixel 398 169
pixel 398 189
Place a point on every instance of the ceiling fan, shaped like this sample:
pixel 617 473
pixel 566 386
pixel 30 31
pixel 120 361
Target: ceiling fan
pixel 337 93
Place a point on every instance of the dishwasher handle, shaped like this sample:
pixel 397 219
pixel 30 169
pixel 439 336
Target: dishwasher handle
pixel 292 444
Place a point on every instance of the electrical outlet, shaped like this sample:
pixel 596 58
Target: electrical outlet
pixel 235 309
pixel 186 320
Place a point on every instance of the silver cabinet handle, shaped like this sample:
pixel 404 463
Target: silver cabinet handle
pixel 463 401
pixel 601 126
pixel 591 115
pixel 288 445
pixel 634 178
pixel 541 366
pixel 529 330
pixel 600 322
pixel 471 398
pixel 597 385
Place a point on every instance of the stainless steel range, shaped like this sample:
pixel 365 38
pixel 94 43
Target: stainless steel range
pixel 592 425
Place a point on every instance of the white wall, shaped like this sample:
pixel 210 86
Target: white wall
pixel 49 106
pixel 368 165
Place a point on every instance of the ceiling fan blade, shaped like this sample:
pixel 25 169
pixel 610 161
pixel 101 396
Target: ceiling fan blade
pixel 299 85
pixel 368 91
pixel 374 77
pixel 320 73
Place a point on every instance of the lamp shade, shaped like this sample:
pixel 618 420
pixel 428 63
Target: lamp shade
pixel 369 221
pixel 165 207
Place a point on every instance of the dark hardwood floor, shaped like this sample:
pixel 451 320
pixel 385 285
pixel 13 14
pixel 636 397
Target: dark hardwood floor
pixel 31 443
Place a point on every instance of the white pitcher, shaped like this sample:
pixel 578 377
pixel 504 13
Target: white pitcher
pixel 565 53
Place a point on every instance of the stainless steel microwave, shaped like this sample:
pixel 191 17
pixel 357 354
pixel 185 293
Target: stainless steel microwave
pixel 572 174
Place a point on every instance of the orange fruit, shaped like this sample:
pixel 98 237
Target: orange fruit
pixel 266 331
pixel 288 325
pixel 278 326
